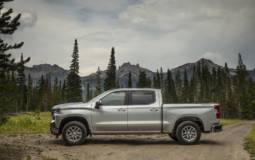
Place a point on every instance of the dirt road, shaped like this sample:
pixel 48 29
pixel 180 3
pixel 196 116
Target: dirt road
pixel 226 145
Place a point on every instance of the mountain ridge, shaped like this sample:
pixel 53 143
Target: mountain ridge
pixel 55 71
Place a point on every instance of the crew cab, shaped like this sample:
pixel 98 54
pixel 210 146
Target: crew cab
pixel 134 111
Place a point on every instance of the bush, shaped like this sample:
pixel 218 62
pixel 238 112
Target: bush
pixel 3 119
pixel 27 123
pixel 250 143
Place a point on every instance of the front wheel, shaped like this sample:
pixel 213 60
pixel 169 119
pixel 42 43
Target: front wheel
pixel 188 132
pixel 74 133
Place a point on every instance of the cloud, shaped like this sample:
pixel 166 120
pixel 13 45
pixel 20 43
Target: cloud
pixel 154 33
pixel 28 19
pixel 168 15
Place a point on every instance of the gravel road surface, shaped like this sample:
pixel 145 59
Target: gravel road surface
pixel 226 145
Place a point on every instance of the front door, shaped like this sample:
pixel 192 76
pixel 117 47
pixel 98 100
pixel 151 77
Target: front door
pixel 143 112
pixel 112 114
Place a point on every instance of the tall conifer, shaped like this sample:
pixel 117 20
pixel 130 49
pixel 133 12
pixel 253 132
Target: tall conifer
pixel 73 85
pixel 129 80
pixel 98 82
pixel 110 80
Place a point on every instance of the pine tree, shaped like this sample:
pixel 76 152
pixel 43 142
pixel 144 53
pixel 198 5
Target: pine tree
pixel 178 84
pixel 251 99
pixel 63 92
pixel 29 93
pixel 156 80
pixel 32 95
pixel 56 91
pixel 205 82
pixel 118 85
pixel 241 88
pixel 129 80
pixel 143 81
pixel 214 85
pixel 110 80
pixel 185 87
pixel 45 98
pixel 8 25
pixel 88 93
pixel 98 82
pixel 170 93
pixel 21 81
pixel 229 107
pixel 161 78
pixel 48 96
pixel 9 95
pixel 199 81
pixel 219 85
pixel 41 91
pixel 73 86
pixel 192 88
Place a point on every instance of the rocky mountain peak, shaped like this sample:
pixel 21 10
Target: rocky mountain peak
pixel 127 67
pixel 55 71
pixel 46 68
pixel 205 61
pixel 189 66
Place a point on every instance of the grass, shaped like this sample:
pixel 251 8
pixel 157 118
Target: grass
pixel 226 122
pixel 250 143
pixel 27 123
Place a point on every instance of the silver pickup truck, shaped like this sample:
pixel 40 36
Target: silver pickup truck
pixel 133 111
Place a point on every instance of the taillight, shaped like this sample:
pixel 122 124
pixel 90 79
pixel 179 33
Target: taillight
pixel 217 110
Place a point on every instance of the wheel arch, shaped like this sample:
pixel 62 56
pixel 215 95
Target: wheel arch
pixel 75 118
pixel 189 118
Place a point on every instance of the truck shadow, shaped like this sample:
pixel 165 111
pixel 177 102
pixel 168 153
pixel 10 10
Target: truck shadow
pixel 116 141
pixel 146 142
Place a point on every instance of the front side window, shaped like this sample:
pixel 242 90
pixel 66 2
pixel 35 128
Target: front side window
pixel 114 99
pixel 142 97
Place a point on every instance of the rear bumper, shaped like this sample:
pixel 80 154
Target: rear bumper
pixel 217 127
pixel 53 129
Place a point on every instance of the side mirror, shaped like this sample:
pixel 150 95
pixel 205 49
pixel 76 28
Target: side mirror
pixel 98 104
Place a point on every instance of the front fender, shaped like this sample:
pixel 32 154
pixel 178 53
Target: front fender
pixel 73 114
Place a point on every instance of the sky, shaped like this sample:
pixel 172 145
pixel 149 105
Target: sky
pixel 153 33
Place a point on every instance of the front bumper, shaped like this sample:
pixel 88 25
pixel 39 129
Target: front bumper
pixel 217 127
pixel 53 129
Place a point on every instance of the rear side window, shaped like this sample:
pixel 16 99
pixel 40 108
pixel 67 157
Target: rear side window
pixel 142 97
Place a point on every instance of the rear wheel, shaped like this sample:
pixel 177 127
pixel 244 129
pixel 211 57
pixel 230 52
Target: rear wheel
pixel 74 133
pixel 188 132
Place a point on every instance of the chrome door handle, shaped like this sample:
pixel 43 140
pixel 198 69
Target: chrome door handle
pixel 121 110
pixel 154 109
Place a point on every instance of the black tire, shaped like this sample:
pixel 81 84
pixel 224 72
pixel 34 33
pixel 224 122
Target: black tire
pixel 72 139
pixel 188 132
pixel 173 136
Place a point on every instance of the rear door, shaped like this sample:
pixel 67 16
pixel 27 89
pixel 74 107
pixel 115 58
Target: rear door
pixel 143 111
